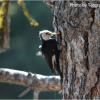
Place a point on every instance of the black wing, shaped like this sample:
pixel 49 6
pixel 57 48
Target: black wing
pixel 49 49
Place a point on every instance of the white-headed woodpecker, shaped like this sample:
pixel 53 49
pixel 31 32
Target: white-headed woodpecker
pixel 50 50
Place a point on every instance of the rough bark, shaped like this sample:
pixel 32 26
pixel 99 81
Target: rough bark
pixel 35 82
pixel 80 48
pixel 38 83
pixel 27 79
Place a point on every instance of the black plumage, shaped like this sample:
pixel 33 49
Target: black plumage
pixel 51 53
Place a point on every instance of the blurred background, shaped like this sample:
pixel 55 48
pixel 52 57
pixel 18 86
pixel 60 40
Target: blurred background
pixel 24 42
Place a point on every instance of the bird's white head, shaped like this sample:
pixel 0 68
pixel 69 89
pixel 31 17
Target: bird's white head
pixel 46 35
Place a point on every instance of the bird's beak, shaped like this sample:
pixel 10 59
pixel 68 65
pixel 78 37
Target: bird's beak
pixel 54 33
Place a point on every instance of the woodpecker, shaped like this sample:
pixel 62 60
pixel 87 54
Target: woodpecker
pixel 50 50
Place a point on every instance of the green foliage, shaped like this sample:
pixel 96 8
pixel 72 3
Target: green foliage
pixel 32 21
pixel 3 12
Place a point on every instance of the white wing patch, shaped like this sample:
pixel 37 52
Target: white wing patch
pixel 39 53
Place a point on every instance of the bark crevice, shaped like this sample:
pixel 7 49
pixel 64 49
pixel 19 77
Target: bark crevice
pixel 80 61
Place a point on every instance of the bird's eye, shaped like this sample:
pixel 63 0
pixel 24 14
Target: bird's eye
pixel 47 33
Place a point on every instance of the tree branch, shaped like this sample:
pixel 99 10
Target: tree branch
pixel 36 81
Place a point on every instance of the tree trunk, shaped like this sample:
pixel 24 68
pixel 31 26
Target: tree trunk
pixel 80 47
